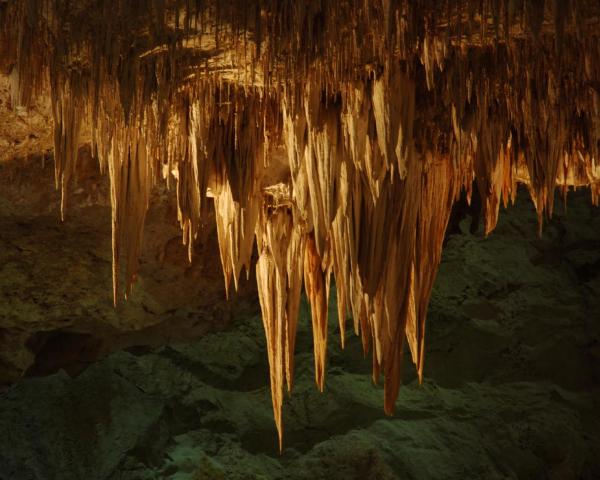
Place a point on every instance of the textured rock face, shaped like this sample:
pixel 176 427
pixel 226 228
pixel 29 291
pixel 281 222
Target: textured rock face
pixel 56 310
pixel 333 135
pixel 23 131
pixel 511 387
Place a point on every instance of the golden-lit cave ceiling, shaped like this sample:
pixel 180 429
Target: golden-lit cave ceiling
pixel 337 134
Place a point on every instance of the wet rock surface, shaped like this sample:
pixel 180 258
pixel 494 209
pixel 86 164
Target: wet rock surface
pixel 511 390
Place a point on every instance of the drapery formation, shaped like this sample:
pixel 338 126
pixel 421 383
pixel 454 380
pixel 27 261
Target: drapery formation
pixel 334 135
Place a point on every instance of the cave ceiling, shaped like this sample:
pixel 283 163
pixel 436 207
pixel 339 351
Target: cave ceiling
pixel 331 138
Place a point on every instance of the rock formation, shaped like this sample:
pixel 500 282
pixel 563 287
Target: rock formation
pixel 337 134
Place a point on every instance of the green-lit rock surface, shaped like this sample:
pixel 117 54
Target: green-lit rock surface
pixel 56 306
pixel 511 390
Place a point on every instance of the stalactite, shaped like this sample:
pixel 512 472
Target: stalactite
pixel 316 282
pixel 336 134
pixel 271 275
pixel 278 272
pixel 66 114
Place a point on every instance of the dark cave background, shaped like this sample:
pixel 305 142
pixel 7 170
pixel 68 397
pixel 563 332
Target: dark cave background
pixel 512 369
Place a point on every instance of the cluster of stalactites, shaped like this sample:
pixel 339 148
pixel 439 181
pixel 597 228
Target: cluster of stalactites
pixel 335 143
pixel 270 42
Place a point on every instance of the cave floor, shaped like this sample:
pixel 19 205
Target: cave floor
pixel 511 388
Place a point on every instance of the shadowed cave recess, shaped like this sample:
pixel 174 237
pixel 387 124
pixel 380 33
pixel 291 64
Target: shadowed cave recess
pixel 226 227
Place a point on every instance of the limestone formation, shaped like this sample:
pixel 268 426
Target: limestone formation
pixel 337 134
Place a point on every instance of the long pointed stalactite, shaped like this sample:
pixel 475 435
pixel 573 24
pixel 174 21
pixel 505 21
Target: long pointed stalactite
pixel 333 135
